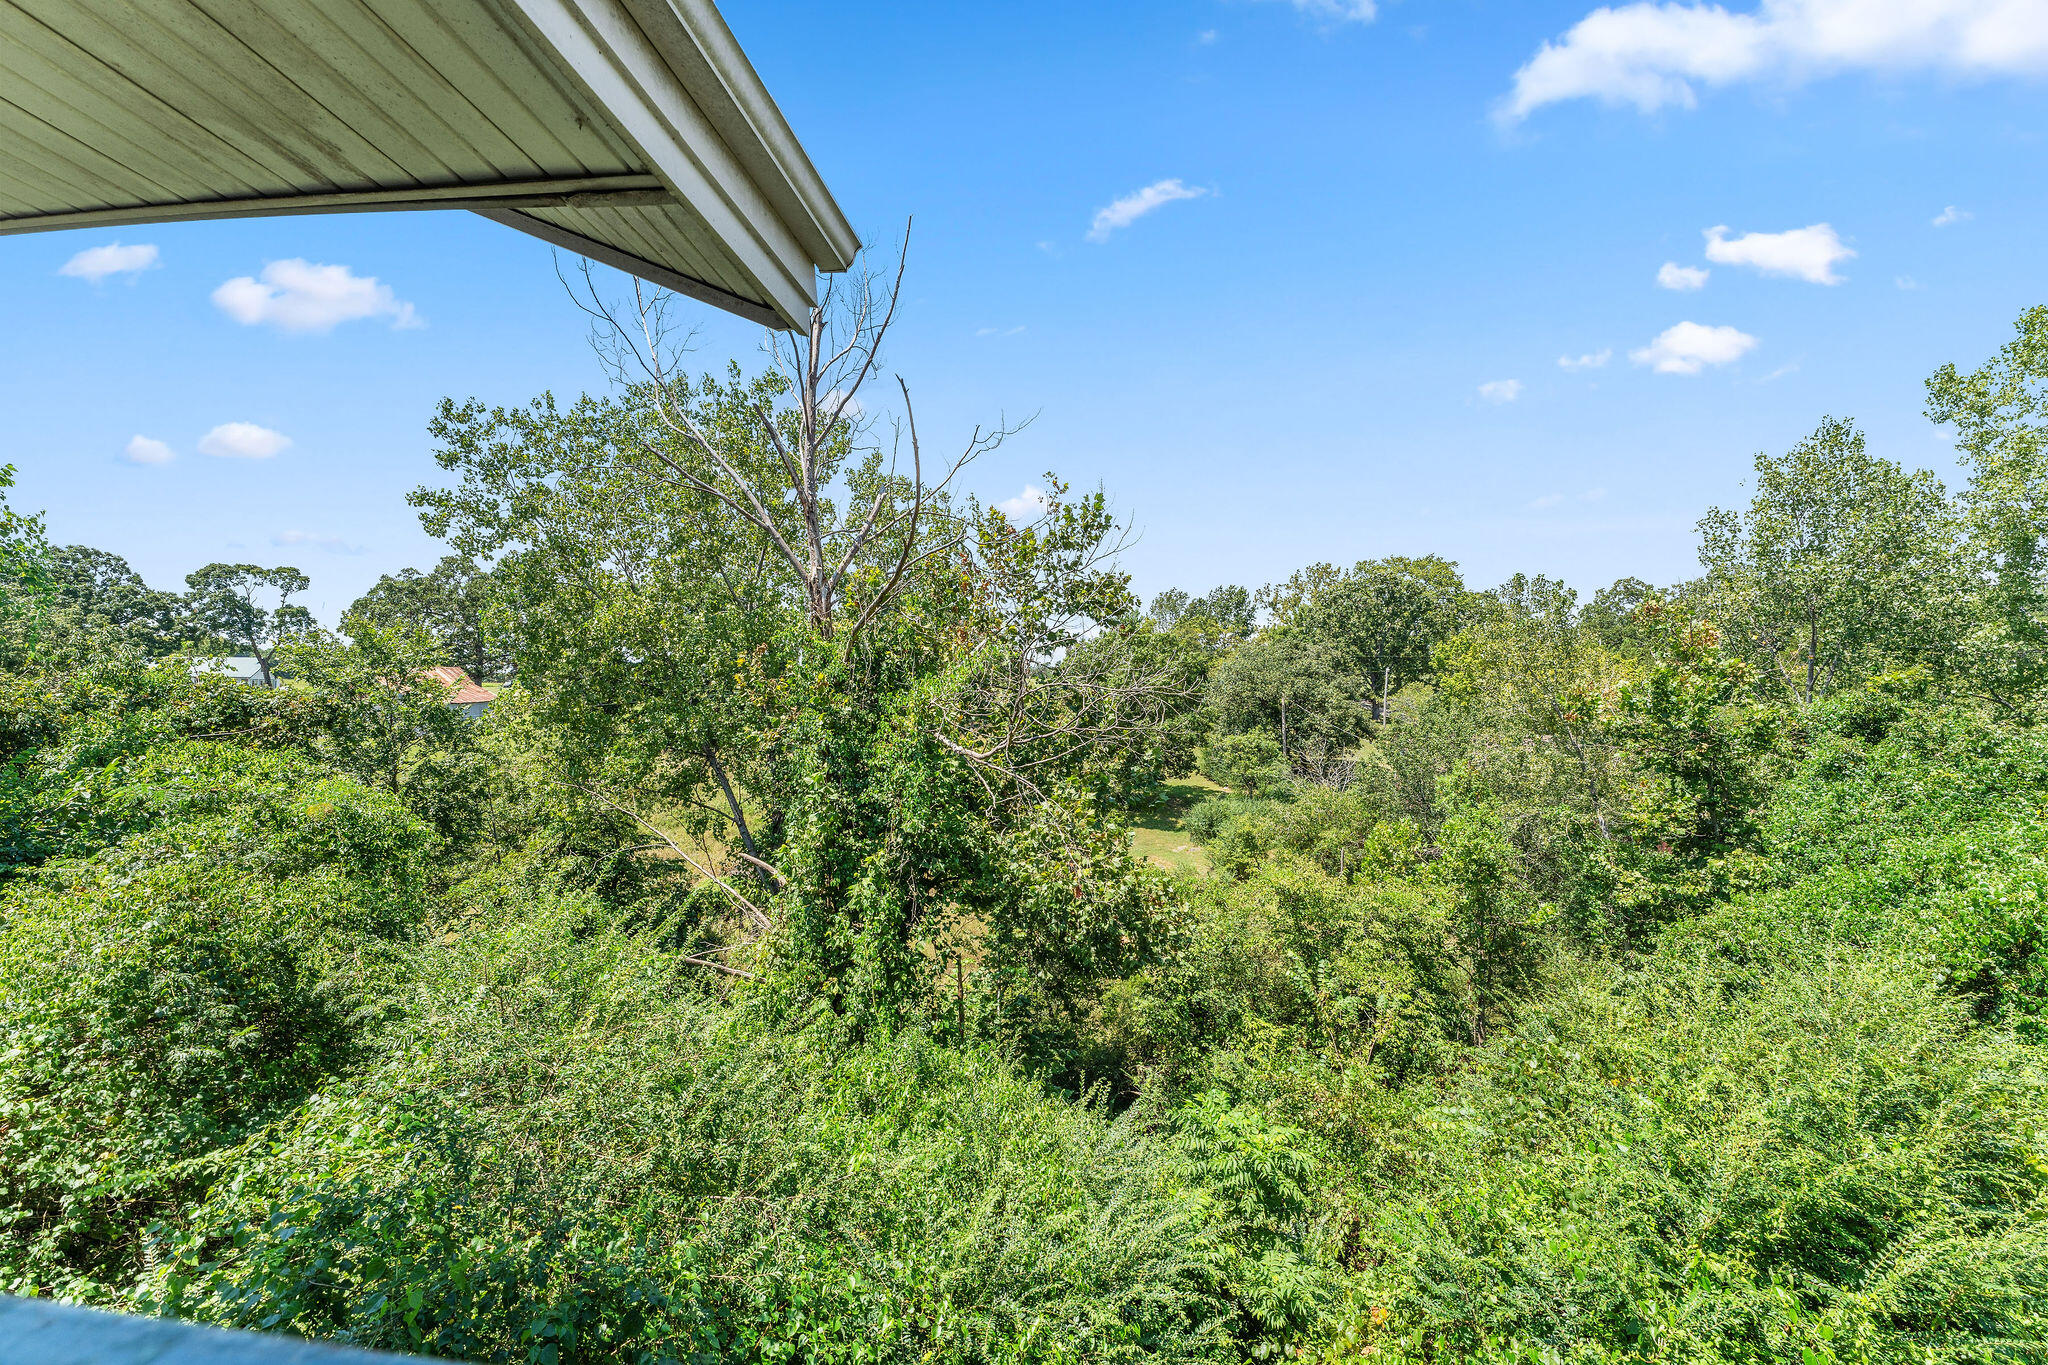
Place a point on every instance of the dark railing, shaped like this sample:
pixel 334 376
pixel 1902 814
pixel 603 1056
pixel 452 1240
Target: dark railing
pixel 38 1332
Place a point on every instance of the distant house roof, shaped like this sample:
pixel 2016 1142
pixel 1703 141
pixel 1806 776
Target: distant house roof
pixel 635 132
pixel 466 691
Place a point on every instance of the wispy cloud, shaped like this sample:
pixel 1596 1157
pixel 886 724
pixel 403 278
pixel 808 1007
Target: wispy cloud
pixel 95 263
pixel 1206 37
pixel 299 296
pixel 998 331
pixel 1336 11
pixel 1952 215
pixel 1501 390
pixel 1657 55
pixel 1138 203
pixel 1683 278
pixel 1808 253
pixel 1690 347
pixel 1592 360
pixel 1905 282
pixel 147 450
pixel 243 441
pixel 335 545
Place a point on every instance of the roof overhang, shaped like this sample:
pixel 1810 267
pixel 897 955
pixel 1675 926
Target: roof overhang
pixel 635 132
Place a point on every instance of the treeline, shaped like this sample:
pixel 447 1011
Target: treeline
pixel 769 974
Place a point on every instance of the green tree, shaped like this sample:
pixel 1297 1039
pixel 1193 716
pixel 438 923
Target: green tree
pixel 97 593
pixel 247 607
pixel 454 603
pixel 368 706
pixel 1842 564
pixel 1290 685
pixel 735 602
pixel 1385 617
pixel 24 567
pixel 2000 415
pixel 1228 607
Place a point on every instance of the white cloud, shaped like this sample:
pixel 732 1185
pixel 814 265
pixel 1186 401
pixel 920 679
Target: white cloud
pixel 1028 503
pixel 1690 347
pixel 1592 360
pixel 998 331
pixel 1790 367
pixel 1206 37
pixel 1547 500
pixel 331 544
pixel 1593 495
pixel 147 450
pixel 1672 275
pixel 243 441
pixel 1337 11
pixel 95 263
pixel 1905 282
pixel 1501 390
pixel 1807 253
pixel 1952 215
pixel 1137 204
pixel 1654 55
pixel 302 297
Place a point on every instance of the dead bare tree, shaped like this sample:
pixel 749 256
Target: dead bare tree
pixel 888 531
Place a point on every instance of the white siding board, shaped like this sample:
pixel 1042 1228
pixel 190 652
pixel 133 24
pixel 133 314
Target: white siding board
pixel 514 87
pixel 30 53
pixel 179 77
pixel 85 175
pixel 339 73
pixel 332 152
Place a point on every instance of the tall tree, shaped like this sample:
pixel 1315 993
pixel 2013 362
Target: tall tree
pixel 24 570
pixel 245 606
pixel 1841 564
pixel 738 597
pixel 1291 686
pixel 1385 617
pixel 97 593
pixel 2000 415
pixel 453 603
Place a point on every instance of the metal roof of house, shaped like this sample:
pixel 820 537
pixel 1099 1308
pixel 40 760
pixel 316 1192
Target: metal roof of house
pixel 635 132
pixel 465 690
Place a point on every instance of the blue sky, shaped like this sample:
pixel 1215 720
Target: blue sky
pixel 1331 330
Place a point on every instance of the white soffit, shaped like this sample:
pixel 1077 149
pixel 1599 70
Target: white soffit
pixel 634 132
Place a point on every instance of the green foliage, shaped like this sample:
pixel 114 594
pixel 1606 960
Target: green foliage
pixel 1724 1161
pixel 1246 763
pixel 368 708
pixel 96 597
pixel 456 602
pixel 24 574
pixel 770 974
pixel 245 608
pixel 1840 567
pixel 566 1153
pixel 166 997
pixel 1292 689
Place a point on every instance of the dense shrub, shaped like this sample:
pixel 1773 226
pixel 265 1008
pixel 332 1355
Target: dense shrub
pixel 1726 1161
pixel 566 1146
pixel 167 996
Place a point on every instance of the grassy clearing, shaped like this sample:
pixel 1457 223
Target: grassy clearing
pixel 1157 836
